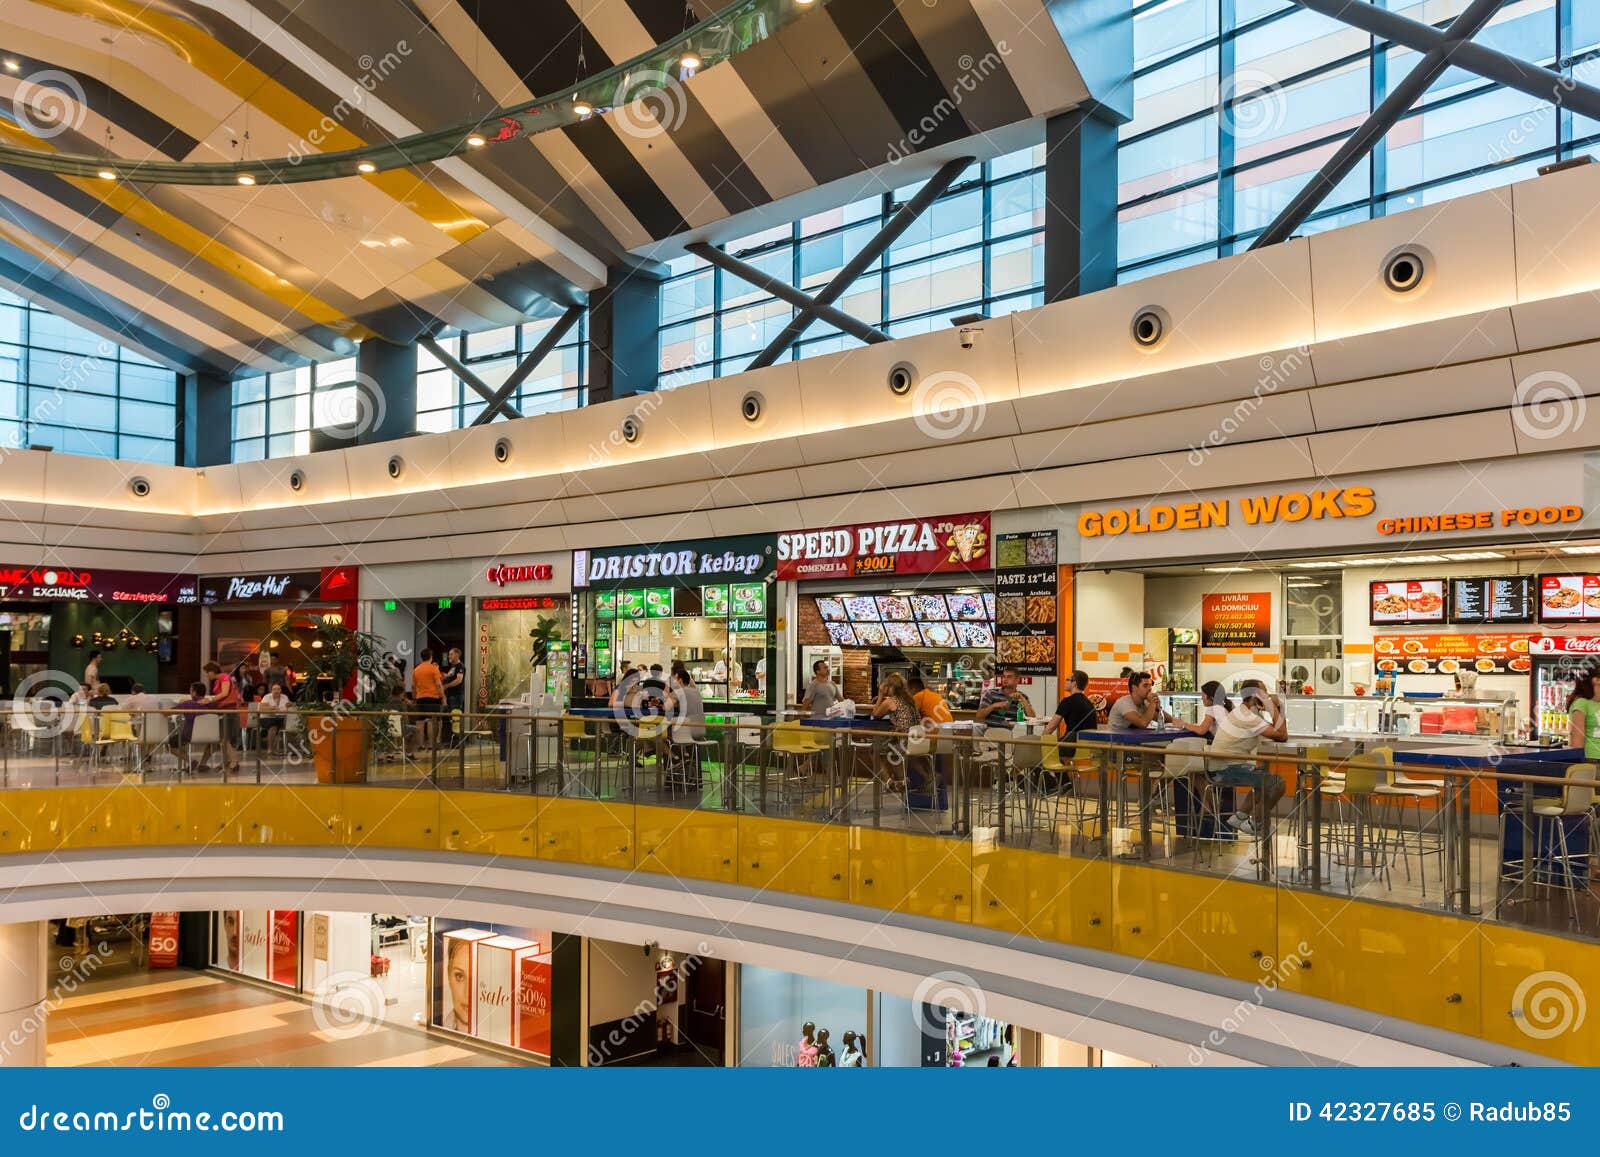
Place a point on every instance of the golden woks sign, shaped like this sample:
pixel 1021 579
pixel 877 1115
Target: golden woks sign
pixel 1310 506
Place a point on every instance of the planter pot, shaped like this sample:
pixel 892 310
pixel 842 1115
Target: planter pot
pixel 339 748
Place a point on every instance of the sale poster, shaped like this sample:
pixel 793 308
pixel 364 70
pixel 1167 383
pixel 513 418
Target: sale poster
pixel 284 953
pixel 533 1005
pixel 1236 619
pixel 163 940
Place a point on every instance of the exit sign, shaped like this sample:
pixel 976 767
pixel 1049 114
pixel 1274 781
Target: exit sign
pixel 444 604
pixel 390 605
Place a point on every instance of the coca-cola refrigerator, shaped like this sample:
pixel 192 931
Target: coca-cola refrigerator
pixel 1557 660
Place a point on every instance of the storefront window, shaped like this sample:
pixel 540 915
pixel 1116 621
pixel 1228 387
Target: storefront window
pixel 260 944
pixel 708 607
pixel 783 1018
pixel 517 636
pixel 1313 604
pixel 492 983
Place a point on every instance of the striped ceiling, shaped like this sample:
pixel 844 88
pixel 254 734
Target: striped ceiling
pixel 224 278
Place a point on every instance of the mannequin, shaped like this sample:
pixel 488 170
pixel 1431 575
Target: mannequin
pixel 825 1057
pixel 854 1055
pixel 808 1046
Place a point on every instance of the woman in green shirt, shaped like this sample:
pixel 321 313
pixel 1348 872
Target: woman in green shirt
pixel 1584 716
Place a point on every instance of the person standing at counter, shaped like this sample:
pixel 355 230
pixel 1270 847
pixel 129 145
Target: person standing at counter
pixel 1004 699
pixel 821 694
pixel 1140 707
pixel 1583 727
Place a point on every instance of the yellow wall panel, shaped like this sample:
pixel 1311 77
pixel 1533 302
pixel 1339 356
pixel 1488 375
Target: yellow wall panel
pixel 877 870
pixel 390 817
pixel 1069 900
pixel 1538 993
pixel 489 823
pixel 1000 888
pixel 592 832
pixel 1389 960
pixel 1223 927
pixel 690 843
pixel 283 815
pixel 208 814
pixel 791 856
pixel 29 821
pixel 939 878
pixel 106 817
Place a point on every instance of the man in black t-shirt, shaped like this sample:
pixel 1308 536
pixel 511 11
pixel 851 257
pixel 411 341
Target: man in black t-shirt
pixel 1074 713
pixel 454 673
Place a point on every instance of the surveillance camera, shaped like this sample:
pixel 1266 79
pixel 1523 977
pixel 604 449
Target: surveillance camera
pixel 969 335
pixel 651 947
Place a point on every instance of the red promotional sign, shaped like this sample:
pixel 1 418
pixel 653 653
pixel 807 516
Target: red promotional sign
pixel 1452 653
pixel 523 603
pixel 1236 619
pixel 163 940
pixel 1567 645
pixel 533 1005
pixel 956 542
pixel 284 948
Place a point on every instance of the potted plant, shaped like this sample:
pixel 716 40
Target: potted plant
pixel 342 688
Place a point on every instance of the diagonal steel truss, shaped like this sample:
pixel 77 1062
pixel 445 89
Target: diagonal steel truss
pixel 499 401
pixel 1440 49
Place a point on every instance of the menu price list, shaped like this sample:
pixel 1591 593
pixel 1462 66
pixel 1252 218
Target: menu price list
pixel 1449 654
pixel 1408 601
pixel 1493 600
pixel 1026 602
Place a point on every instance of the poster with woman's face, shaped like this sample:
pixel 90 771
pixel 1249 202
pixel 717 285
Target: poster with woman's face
pixel 456 974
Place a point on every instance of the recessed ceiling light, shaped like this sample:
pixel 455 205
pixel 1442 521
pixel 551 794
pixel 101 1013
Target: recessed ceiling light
pixel 1580 550
pixel 246 179
pixel 1474 556
pixel 476 141
pixel 106 175
pixel 1317 565
pixel 689 61
pixel 12 66
pixel 1228 570
pixel 582 107
pixel 366 167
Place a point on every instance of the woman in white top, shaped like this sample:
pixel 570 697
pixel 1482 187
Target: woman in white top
pixel 1217 706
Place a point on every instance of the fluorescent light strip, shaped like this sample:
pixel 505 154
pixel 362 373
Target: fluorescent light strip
pixel 1229 570
pixel 1580 550
pixel 1475 556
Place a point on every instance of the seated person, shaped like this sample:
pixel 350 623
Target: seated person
pixel 1004 704
pixel 103 697
pixel 197 704
pixel 1238 734
pixel 1140 707
pixel 273 714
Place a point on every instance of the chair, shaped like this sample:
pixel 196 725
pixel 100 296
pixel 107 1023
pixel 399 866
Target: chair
pixel 793 753
pixel 294 733
pixel 992 754
pixel 155 731
pixel 649 736
pixel 25 723
pixel 685 753
pixel 116 727
pixel 1553 864
pixel 570 762
pixel 1357 837
pixel 206 732
pixel 1424 837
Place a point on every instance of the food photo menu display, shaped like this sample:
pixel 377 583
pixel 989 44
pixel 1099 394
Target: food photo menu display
pixel 1408 601
pixel 1569 598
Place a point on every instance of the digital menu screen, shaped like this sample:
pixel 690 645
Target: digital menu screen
pixel 1508 599
pixel 1569 598
pixel 1408 601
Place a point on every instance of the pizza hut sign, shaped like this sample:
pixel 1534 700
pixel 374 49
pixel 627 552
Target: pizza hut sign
pixel 500 573
pixel 957 542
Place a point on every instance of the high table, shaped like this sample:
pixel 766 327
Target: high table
pixel 840 764
pixel 1144 737
pixel 1515 848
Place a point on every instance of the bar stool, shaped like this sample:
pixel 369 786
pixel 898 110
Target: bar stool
pixel 686 753
pixel 570 763
pixel 1425 836
pixel 648 731
pixel 793 753
pixel 1358 838
pixel 1553 860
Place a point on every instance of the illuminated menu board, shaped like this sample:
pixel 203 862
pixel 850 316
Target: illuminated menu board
pixel 1507 599
pixel 1569 598
pixel 1408 601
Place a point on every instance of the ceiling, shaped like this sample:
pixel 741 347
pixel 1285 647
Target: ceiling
pixel 228 278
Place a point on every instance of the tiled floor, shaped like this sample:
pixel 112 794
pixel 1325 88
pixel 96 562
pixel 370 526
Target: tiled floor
pixel 125 1016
